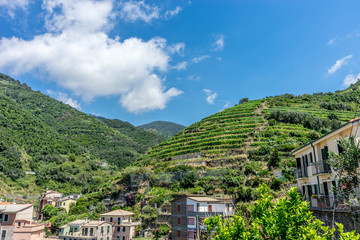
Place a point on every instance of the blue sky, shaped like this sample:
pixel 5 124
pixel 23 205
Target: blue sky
pixel 180 61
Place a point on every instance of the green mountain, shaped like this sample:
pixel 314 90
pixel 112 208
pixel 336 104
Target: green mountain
pixel 63 146
pixel 163 128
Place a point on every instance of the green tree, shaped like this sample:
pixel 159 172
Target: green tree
pixel 288 218
pixel 345 167
pixel 49 211
pixel 274 160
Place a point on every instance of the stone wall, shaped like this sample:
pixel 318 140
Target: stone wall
pixel 343 216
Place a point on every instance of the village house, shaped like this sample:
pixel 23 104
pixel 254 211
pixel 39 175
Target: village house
pixel 65 202
pixel 123 226
pixel 57 200
pixel 86 230
pixel 314 176
pixel 16 222
pixel 189 211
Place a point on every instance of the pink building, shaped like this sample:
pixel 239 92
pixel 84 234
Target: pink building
pixel 15 222
pixel 123 226
pixel 26 230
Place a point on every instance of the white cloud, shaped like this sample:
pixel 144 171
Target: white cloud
pixel 350 79
pixel 210 96
pixel 181 66
pixel 79 55
pixel 133 10
pixel 331 42
pixel 200 59
pixel 339 63
pixel 226 105
pixel 12 5
pixel 172 13
pixel 176 48
pixel 194 77
pixel 63 97
pixel 219 43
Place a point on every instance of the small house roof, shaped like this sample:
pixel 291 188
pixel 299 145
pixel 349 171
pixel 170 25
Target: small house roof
pixel 204 199
pixel 117 212
pixel 13 208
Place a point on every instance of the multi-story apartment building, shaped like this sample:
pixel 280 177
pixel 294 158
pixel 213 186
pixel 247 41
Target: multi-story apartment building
pixel 313 172
pixel 123 226
pixel 189 211
pixel 86 230
pixel 16 222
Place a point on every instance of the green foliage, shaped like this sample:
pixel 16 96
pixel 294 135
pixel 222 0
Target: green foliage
pixel 243 100
pixel 288 218
pixel 162 128
pixel 49 211
pixel 189 180
pixel 274 160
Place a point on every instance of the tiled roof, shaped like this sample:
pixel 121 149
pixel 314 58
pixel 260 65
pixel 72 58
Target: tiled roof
pixel 117 212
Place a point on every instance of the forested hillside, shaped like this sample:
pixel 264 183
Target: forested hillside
pixel 163 128
pixel 63 146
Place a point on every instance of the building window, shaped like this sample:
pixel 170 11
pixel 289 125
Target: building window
pixel 102 219
pixel 191 234
pixel 178 208
pixel 123 238
pixel 191 221
pixel 124 229
pixel 311 157
pixel 91 232
pixel 210 208
pixel 63 204
pixel 118 229
pixel 6 217
pixel 178 220
pixel 102 229
pixel 119 220
pixel 117 237
pixel 111 219
pixel 190 208
pixel 179 233
pixel 3 234
pixel 86 231
pixel 108 229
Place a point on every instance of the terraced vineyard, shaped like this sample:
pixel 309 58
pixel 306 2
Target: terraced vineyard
pixel 217 134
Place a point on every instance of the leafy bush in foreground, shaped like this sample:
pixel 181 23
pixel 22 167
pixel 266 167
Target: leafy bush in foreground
pixel 289 218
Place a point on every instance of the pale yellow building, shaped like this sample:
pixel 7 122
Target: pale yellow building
pixel 314 179
pixel 65 203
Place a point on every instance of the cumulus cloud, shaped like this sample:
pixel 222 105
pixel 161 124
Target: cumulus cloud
pixel 78 54
pixel 134 10
pixel 199 59
pixel 211 96
pixel 219 43
pixel 63 97
pixel 181 66
pixel 172 13
pixel 339 63
pixel 12 5
pixel 351 79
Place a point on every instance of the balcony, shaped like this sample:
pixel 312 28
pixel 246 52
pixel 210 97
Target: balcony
pixel 301 173
pixel 320 167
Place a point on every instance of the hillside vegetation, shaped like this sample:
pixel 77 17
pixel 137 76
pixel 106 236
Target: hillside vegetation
pixel 234 151
pixel 63 146
pixel 162 128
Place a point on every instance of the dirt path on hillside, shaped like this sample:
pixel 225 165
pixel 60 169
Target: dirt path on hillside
pixel 258 126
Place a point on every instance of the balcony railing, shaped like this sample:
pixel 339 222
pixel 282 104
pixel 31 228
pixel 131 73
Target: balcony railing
pixel 320 167
pixel 301 173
